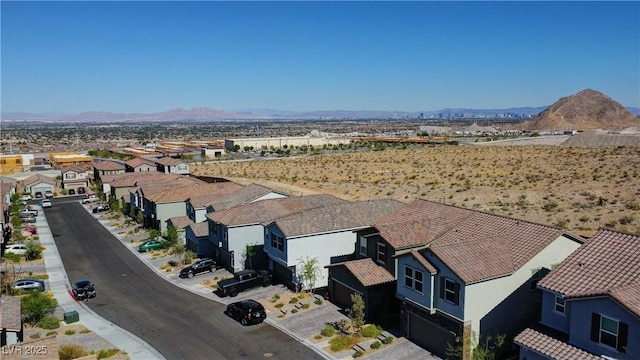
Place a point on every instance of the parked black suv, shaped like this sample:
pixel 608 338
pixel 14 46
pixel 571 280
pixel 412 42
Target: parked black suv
pixel 247 311
pixel 200 266
pixel 84 290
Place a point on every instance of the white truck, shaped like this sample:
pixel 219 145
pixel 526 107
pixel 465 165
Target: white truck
pixel 90 199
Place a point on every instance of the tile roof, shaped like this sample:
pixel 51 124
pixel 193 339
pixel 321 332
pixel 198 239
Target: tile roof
pixel 108 165
pixel 475 245
pixel 367 272
pixel 39 178
pixel 424 262
pixel 245 195
pixel 130 179
pixel 135 162
pixel 200 229
pixel 608 264
pixel 74 168
pixel 551 347
pixel 169 161
pixel 265 211
pixel 334 218
pixel 180 222
pixel 10 317
pixel 185 192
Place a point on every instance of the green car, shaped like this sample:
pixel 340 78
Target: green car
pixel 152 244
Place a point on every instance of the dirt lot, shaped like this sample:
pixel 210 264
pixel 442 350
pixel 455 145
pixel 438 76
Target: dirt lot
pixel 580 189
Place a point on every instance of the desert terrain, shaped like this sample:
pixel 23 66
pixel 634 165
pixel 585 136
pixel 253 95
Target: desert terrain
pixel 580 189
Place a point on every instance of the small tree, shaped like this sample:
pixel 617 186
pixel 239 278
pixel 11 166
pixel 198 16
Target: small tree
pixel 488 348
pixel 171 235
pixel 33 251
pixel 309 272
pixel 356 312
pixel 178 251
pixel 36 305
pixel 250 252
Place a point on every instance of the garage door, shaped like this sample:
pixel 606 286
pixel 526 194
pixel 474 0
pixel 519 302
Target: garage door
pixel 429 335
pixel 342 295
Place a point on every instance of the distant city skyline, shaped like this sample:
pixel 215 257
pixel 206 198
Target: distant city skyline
pixel 145 57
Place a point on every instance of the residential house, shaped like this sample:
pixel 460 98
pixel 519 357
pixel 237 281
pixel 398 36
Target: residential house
pixel 171 165
pixel 477 276
pixel 196 237
pixel 75 178
pixel 325 233
pixel 11 330
pixel 140 164
pixel 39 183
pixel 118 186
pixel 171 201
pixel 410 227
pixel 180 223
pixel 107 167
pixel 233 229
pixel 590 303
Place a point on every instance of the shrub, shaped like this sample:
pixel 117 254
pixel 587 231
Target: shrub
pixel 358 354
pixel 387 340
pixel 375 345
pixel 279 305
pixel 37 305
pixel 328 331
pixel 305 306
pixel 294 310
pixel 106 353
pixel 626 220
pixel 275 298
pixel 71 351
pixel 371 331
pixel 318 302
pixel 51 333
pixel 35 336
pixel 49 323
pixel 70 332
pixel 342 342
pixel 293 300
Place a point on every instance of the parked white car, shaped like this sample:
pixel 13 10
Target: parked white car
pixel 18 249
pixel 46 203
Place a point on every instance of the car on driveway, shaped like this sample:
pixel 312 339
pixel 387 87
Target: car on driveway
pixel 152 244
pixel 90 199
pixel 28 284
pixel 198 267
pixel 28 218
pixel 83 290
pixel 48 194
pixel 101 208
pixel 25 197
pixel 18 249
pixel 247 312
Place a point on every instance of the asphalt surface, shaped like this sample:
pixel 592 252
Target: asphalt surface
pixel 177 323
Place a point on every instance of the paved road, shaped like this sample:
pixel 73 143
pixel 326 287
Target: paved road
pixel 176 322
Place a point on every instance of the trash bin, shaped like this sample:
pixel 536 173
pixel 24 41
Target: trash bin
pixel 71 317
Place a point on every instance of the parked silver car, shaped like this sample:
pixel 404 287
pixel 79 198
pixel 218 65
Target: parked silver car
pixel 28 284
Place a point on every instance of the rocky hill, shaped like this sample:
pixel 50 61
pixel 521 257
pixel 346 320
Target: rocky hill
pixel 588 109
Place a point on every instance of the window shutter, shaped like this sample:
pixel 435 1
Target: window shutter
pixel 441 288
pixel 595 327
pixel 623 332
pixel 456 299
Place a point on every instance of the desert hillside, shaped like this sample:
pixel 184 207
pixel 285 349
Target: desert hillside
pixel 588 109
pixel 578 188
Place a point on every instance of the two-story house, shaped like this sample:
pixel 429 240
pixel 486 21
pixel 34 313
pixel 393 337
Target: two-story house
pixel 75 178
pixel 106 167
pixel 11 329
pixel 590 303
pixel 233 229
pixel 476 278
pixel 169 165
pixel 140 164
pixel 325 233
pixel 118 186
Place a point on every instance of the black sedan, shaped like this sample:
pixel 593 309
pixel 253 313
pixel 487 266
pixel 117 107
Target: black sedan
pixel 247 311
pixel 200 266
pixel 84 290
pixel 101 208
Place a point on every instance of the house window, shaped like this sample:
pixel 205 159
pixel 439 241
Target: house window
pixel 450 291
pixel 610 332
pixel 70 176
pixel 560 304
pixel 381 255
pixel 277 242
pixel 363 246
pixel 413 278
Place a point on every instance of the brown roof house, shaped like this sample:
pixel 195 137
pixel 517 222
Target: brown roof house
pixel 169 165
pixel 590 303
pixel 75 178
pixel 106 167
pixel 473 273
pixel 140 164
pixel 232 230
pixel 326 233
pixel 180 223
pixel 39 183
pixel 11 331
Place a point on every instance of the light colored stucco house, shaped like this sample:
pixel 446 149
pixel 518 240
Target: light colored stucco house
pixel 590 303
pixel 171 165
pixel 75 177
pixel 233 229
pixel 140 164
pixel 326 233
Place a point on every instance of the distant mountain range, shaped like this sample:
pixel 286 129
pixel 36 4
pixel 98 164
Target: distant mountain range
pixel 208 114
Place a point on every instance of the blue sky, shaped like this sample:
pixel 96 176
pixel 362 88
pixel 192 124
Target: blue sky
pixel 396 56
